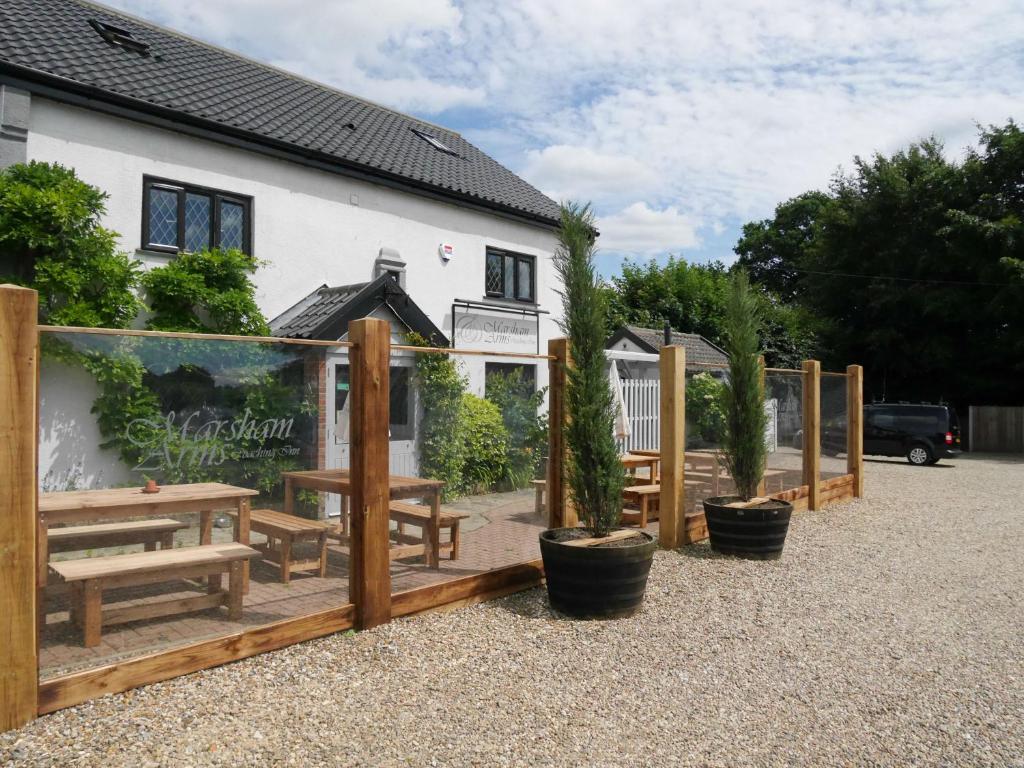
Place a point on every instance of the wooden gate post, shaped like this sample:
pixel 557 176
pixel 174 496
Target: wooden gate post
pixel 560 510
pixel 762 487
pixel 855 427
pixel 19 359
pixel 672 501
pixel 812 431
pixel 370 573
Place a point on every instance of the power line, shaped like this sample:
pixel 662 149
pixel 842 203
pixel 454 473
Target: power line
pixel 903 279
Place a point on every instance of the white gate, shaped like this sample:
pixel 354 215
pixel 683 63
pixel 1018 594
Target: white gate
pixel 643 404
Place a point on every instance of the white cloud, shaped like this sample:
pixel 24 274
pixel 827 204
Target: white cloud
pixel 703 112
pixel 565 173
pixel 640 230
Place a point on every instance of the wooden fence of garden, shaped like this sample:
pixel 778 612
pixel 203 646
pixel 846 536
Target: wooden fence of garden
pixel 23 573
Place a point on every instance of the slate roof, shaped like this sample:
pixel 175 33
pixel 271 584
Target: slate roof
pixel 51 43
pixel 698 349
pixel 326 312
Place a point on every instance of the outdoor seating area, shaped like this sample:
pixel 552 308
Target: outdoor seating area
pixel 276 547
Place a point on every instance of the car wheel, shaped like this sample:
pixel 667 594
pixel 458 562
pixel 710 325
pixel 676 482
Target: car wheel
pixel 933 461
pixel 919 455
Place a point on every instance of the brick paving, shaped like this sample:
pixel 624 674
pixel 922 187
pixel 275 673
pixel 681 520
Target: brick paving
pixel 501 530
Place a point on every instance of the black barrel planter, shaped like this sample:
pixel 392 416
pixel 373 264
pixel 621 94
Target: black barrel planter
pixel 758 533
pixel 596 582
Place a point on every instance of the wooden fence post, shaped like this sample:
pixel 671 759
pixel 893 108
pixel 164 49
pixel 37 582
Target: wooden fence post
pixel 855 427
pixel 812 431
pixel 370 573
pixel 560 510
pixel 762 487
pixel 19 358
pixel 672 501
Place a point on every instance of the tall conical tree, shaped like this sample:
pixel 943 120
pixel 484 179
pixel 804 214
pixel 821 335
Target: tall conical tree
pixel 595 475
pixel 744 447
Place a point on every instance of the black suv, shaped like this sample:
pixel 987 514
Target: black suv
pixel 922 433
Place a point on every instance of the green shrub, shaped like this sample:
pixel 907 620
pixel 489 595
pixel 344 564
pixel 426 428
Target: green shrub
pixel 486 445
pixel 704 409
pixel 527 428
pixel 441 443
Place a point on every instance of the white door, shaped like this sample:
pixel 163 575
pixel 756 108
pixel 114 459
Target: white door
pixel 402 427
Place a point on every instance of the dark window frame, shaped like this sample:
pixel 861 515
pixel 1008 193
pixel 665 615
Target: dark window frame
pixel 216 197
pixel 517 259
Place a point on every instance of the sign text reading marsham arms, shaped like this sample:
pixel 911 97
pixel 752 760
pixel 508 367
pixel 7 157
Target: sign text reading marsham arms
pixel 177 440
pixel 480 331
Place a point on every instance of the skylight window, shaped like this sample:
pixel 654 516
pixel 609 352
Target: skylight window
pixel 120 37
pixel 436 143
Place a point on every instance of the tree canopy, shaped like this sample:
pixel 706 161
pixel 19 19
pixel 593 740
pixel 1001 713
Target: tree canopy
pixel 692 298
pixel 913 265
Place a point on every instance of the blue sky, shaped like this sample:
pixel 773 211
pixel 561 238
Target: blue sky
pixel 680 120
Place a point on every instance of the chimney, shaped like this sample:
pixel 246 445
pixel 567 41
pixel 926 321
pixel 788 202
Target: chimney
pixel 668 334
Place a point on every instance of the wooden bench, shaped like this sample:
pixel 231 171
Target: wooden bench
pixel 149 533
pixel 282 531
pixel 539 486
pixel 90 576
pixel 419 515
pixel 644 496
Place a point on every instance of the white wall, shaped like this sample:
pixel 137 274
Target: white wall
pixel 307 228
pixel 310 227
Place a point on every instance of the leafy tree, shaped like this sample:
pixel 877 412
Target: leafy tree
pixel 51 240
pixel 692 299
pixel 911 266
pixel 594 474
pixel 772 250
pixel 704 409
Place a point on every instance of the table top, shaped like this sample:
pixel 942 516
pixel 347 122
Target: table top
pixel 127 498
pixel 635 460
pixel 340 481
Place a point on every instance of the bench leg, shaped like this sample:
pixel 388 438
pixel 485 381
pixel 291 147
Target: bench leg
pixel 538 502
pixel 167 540
pixel 213 584
pixel 149 546
pixel 643 511
pixel 236 585
pixel 456 541
pixel 322 543
pixel 75 600
pixel 286 559
pixel 92 613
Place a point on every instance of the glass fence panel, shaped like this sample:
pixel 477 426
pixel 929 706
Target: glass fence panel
pixel 706 472
pixel 834 424
pixel 215 429
pixel 468 456
pixel 783 394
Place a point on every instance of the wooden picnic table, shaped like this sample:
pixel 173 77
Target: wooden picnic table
pixel 632 461
pixel 118 503
pixel 339 481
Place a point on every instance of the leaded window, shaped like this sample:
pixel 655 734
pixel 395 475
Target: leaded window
pixel 183 217
pixel 510 275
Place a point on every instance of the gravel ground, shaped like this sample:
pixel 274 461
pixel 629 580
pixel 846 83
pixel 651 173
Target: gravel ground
pixel 889 634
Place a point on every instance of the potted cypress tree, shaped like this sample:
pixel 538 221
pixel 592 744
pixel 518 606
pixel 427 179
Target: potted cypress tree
pixel 745 524
pixel 597 570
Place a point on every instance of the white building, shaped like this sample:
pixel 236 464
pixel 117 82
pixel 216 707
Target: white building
pixel 197 146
